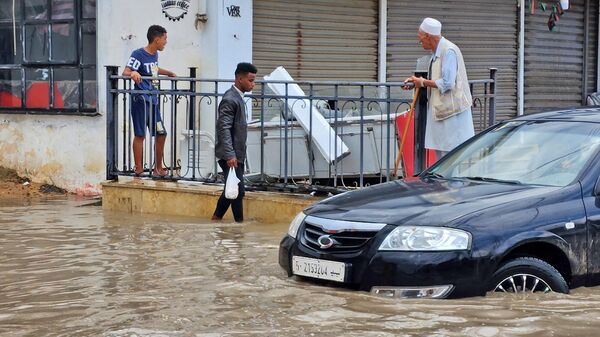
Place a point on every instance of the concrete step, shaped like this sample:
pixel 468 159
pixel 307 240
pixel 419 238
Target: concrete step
pixel 197 200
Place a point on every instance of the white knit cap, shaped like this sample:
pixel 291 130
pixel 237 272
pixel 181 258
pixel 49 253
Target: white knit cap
pixel 431 26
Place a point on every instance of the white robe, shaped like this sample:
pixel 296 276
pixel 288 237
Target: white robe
pixel 447 134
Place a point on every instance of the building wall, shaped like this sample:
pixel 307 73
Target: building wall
pixel 65 151
pixel 226 42
pixel 70 151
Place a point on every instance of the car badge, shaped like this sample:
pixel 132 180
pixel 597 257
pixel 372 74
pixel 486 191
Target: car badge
pixel 325 241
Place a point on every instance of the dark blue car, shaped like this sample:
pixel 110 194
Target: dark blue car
pixel 514 209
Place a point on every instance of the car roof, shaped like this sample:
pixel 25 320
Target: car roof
pixel 578 114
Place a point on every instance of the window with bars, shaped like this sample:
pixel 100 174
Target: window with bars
pixel 48 56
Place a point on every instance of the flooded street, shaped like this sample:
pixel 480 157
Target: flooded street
pixel 73 270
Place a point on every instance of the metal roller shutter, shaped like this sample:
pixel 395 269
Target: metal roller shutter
pixel 485 30
pixel 554 59
pixel 317 39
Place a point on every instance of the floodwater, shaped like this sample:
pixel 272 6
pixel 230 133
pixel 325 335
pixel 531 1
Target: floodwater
pixel 67 269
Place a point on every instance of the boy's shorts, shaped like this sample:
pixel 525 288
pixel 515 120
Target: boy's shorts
pixel 141 112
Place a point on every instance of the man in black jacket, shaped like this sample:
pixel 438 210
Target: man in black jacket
pixel 231 137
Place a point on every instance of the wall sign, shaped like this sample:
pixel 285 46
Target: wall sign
pixel 175 9
pixel 234 11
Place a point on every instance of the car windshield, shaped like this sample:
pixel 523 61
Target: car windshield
pixel 550 153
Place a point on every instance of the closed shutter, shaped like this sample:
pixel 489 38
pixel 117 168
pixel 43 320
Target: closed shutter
pixel 317 39
pixel 484 30
pixel 554 59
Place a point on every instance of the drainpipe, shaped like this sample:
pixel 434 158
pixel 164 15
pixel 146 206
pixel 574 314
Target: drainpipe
pixel 382 60
pixel 586 44
pixel 14 27
pixel 521 60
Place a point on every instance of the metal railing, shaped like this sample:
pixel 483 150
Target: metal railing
pixel 287 122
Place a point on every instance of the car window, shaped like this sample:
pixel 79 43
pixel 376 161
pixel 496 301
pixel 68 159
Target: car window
pixel 530 152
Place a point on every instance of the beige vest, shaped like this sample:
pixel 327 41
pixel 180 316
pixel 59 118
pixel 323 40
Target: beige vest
pixel 454 101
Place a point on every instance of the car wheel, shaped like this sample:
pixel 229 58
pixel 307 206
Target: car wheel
pixel 528 274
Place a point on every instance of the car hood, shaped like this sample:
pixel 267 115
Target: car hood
pixel 422 202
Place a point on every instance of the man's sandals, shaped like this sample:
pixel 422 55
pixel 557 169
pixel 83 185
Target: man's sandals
pixel 160 174
pixel 155 173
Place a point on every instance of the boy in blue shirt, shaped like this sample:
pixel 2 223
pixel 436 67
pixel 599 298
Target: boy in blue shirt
pixel 144 107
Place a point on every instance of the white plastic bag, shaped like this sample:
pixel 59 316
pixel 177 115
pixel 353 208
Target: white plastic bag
pixel 231 185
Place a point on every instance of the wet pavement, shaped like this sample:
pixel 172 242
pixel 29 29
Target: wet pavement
pixel 67 269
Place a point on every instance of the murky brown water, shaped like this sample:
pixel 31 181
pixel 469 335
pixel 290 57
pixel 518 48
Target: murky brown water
pixel 67 270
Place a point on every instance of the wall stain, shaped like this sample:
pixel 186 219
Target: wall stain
pixel 49 153
pixel 94 165
pixel 49 170
pixel 8 149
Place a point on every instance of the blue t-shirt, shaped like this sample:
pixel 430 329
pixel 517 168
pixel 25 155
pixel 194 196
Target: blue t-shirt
pixel 147 65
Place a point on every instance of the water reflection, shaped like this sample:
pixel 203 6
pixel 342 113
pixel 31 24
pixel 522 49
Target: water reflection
pixel 76 271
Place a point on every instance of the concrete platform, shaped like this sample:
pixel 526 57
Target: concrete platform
pixel 197 200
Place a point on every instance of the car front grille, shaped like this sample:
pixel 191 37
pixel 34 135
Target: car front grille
pixel 344 240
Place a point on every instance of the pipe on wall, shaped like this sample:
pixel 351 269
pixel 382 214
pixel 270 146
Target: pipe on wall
pixel 382 48
pixel 521 60
pixel 586 44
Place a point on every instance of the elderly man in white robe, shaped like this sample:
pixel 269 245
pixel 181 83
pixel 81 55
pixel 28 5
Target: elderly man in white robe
pixel 449 118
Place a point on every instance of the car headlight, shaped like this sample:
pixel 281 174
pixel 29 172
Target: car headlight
pixel 295 224
pixel 414 238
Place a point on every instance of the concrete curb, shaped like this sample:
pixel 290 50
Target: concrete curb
pixel 197 200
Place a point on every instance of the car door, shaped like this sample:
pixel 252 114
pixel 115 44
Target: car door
pixel 590 185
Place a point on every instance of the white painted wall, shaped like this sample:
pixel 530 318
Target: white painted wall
pixel 65 151
pixel 70 151
pixel 228 42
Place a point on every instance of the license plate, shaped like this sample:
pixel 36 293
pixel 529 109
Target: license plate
pixel 321 269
